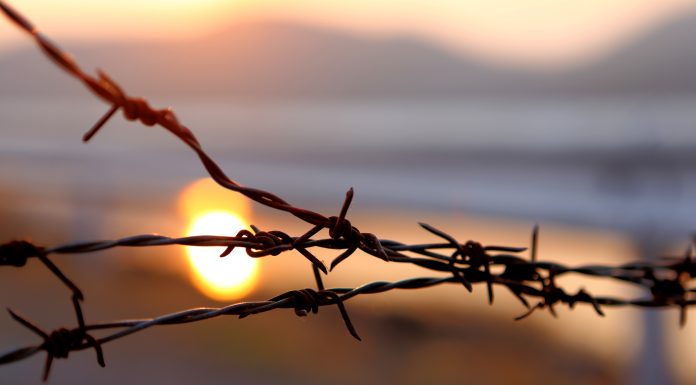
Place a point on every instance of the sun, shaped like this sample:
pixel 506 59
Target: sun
pixel 211 210
pixel 220 278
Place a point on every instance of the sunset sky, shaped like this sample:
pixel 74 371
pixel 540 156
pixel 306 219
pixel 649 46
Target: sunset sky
pixel 534 32
pixel 551 32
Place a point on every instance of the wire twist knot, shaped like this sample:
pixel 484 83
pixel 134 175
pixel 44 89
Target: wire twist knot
pixel 309 300
pixel 265 242
pixel 60 342
pixel 342 228
pixel 305 300
pixel 16 253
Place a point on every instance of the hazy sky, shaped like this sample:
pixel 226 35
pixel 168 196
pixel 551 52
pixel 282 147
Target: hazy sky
pixel 528 31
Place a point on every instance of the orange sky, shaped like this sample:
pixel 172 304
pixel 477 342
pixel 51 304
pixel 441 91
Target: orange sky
pixel 549 32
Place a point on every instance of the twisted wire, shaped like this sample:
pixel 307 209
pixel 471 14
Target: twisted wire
pixel 304 301
pixel 138 109
pixel 667 281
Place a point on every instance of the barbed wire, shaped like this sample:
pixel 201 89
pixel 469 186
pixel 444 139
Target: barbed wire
pixel 523 278
pixel 668 280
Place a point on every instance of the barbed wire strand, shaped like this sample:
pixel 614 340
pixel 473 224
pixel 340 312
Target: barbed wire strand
pixel 138 109
pixel 668 280
pixel 519 277
pixel 302 301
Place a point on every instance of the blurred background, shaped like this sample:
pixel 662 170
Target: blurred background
pixel 481 118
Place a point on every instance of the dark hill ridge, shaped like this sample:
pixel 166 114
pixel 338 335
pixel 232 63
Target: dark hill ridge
pixel 266 59
pixel 288 60
pixel 661 60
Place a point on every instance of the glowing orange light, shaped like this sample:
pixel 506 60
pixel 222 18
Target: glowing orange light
pixel 211 210
pixel 204 195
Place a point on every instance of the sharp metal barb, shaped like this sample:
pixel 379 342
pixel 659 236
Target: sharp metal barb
pixel 344 209
pixel 529 312
pixel 315 261
pixel 535 241
pixel 317 277
pixel 342 257
pixel 100 123
pixel 27 324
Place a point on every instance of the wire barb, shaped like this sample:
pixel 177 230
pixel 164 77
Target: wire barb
pixel 16 253
pixel 60 342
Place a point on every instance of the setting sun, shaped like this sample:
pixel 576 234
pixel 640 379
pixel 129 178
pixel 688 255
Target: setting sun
pixel 211 210
pixel 220 278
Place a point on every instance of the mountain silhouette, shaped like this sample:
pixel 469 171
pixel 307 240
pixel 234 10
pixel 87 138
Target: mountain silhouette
pixel 283 60
pixel 660 60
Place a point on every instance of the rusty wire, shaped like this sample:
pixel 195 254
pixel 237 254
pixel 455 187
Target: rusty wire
pixel 667 280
